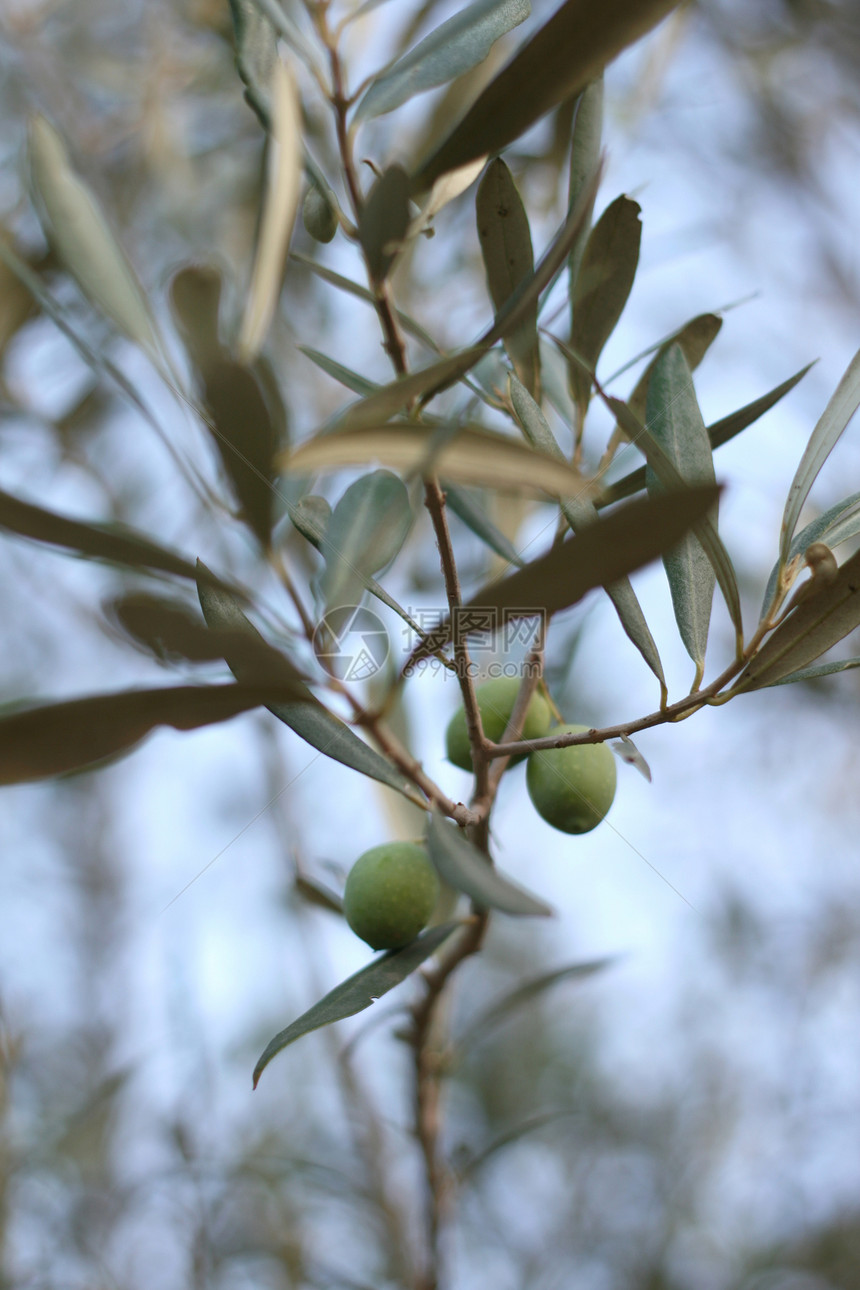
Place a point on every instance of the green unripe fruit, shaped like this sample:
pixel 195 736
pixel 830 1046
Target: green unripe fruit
pixel 318 216
pixel 390 894
pixel 572 788
pixel 496 701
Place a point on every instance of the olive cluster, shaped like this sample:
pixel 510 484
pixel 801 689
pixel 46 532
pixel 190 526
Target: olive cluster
pixel 392 889
pixel 571 788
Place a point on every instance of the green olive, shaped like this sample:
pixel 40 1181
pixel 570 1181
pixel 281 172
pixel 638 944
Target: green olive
pixel 496 701
pixel 318 216
pixel 572 788
pixel 390 894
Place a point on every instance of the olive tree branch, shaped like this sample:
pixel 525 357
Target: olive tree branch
pixel 678 711
pixel 430 1063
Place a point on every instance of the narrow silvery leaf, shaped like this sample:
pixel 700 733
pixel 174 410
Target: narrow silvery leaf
pixel 579 513
pixel 310 719
pixel 384 221
pixel 310 515
pixel 445 189
pixel 667 473
pixel 466 454
pixel 584 162
pixel 367 529
pixel 361 293
pixel 844 526
pixel 603 283
pixel 828 528
pixel 59 738
pixel 533 422
pixel 171 630
pixel 568 52
pixel 630 538
pixel 112 542
pixel 390 399
pixel 467 869
pixel 506 247
pixel 195 298
pixel 822 620
pixel 695 339
pixel 280 202
pixel 519 305
pixel 452 49
pixel 719 432
pixel 352 380
pixel 833 421
pixel 359 991
pixel 85 242
pixel 256 55
pixel 675 422
pixel 815 673
pixel 286 28
pixel 245 434
pixel 726 428
pixel 461 502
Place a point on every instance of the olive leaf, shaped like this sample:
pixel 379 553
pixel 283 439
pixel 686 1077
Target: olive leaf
pixel 352 380
pixel 823 619
pixel 568 52
pixel 675 422
pixel 112 542
pixel 506 247
pixel 239 416
pixel 77 227
pixel 278 212
pixel 451 50
pixel 666 472
pixel 466 454
pixel 309 718
pixel 390 399
pixel 836 416
pixel 719 432
pixel 195 300
pixel 467 509
pixel 77 734
pixel 361 293
pixel 287 29
pixel 584 164
pixel 836 525
pixel 467 869
pixel 367 528
pixel 383 221
pixel 694 338
pixel 603 283
pixel 633 536
pixel 579 512
pixel 359 991
pixel 425 384
pixel 256 55
pixel 310 515
pixel 169 629
pixel 815 673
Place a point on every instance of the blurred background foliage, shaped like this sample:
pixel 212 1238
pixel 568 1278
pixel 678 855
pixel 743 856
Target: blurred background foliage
pixel 717 1152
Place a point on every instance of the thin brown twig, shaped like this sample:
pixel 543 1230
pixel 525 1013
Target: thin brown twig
pixel 430 1062
pixel 678 711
